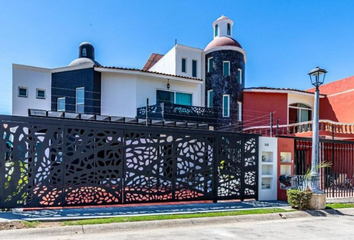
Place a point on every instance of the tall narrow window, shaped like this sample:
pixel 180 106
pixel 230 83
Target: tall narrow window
pixel 194 68
pixel 239 76
pixel 80 100
pixel 226 65
pixel 184 69
pixel 84 52
pixel 239 111
pixel 61 104
pixel 210 65
pixel 229 29
pixel 184 99
pixel 226 105
pixel 210 98
pixel 216 30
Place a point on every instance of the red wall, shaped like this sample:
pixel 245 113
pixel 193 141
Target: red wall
pixel 338 104
pixel 258 106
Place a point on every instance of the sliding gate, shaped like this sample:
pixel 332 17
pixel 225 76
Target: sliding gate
pixel 61 162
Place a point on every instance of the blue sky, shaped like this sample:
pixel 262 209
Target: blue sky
pixel 283 39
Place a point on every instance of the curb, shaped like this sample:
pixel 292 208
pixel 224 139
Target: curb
pixel 113 227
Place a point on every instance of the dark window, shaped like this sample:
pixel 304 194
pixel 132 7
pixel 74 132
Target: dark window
pixel 226 68
pixel 184 65
pixel 40 93
pixel 211 65
pixel 210 98
pixel 22 92
pixel 165 96
pixel 194 68
pixel 216 30
pixel 229 29
pixel 226 105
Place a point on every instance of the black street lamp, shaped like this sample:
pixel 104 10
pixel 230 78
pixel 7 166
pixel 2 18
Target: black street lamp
pixel 317 81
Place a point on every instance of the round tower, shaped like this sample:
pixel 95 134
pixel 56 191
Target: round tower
pixel 225 75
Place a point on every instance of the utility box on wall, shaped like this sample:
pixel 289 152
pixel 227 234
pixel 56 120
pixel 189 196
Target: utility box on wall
pixel 286 156
pixel 267 168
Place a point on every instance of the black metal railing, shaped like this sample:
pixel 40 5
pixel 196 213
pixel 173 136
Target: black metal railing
pixel 336 180
pixel 178 112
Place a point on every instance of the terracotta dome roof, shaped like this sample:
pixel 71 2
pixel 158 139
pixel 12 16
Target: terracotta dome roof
pixel 222 41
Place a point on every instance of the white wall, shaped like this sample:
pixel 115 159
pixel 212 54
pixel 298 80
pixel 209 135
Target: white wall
pixel 123 93
pixel 297 98
pixel 171 63
pixel 118 94
pixel 189 54
pixel 32 78
pixel 167 64
pixel 268 148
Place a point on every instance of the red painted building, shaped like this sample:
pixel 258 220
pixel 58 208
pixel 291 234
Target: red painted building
pixel 292 110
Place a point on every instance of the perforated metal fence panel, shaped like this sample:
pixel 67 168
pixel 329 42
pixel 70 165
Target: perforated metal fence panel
pixel 59 162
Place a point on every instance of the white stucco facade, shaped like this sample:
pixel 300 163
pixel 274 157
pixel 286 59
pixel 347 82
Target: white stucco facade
pixel 31 78
pixel 122 92
pixel 171 63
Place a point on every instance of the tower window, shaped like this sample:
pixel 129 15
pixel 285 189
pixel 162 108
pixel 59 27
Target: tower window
pixel 216 30
pixel 226 105
pixel 210 98
pixel 184 69
pixel 80 100
pixel 22 91
pixel 194 68
pixel 239 111
pixel 239 76
pixel 61 104
pixel 210 65
pixel 229 29
pixel 84 52
pixel 226 70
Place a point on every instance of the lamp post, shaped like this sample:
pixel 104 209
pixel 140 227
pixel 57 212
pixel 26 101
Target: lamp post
pixel 317 81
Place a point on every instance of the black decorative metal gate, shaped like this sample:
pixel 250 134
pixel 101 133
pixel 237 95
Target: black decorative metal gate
pixel 337 180
pixel 58 162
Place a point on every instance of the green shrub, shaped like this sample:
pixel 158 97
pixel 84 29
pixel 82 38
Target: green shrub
pixel 299 199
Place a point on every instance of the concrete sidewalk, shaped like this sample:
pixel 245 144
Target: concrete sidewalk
pixel 135 210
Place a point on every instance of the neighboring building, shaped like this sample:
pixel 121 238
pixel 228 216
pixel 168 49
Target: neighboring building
pixel 186 83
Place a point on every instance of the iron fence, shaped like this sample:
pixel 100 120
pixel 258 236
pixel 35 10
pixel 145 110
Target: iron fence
pixel 336 180
pixel 62 162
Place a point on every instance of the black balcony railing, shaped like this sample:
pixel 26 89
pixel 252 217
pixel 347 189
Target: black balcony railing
pixel 171 111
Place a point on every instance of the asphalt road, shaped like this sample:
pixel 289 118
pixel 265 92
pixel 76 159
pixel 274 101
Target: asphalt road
pixel 331 227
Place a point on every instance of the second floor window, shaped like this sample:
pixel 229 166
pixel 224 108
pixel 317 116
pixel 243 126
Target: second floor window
pixel 216 30
pixel 22 91
pixel 184 68
pixel 239 76
pixel 210 65
pixel 194 68
pixel 210 98
pixel 226 70
pixel 80 100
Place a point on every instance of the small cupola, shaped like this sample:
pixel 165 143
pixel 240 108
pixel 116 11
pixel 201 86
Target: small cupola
pixel 223 27
pixel 86 50
pixel 86 55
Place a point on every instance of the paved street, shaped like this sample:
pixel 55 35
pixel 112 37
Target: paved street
pixel 332 227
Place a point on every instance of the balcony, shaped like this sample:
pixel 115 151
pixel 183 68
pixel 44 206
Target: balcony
pixel 327 129
pixel 170 111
